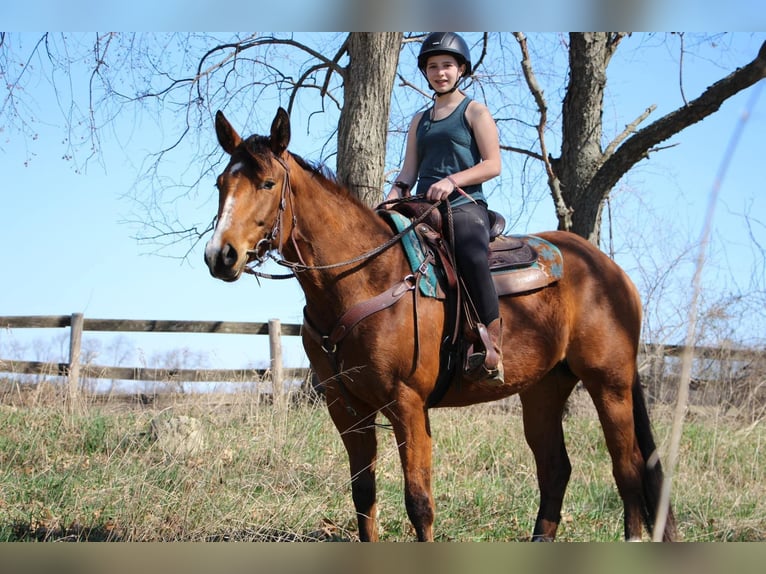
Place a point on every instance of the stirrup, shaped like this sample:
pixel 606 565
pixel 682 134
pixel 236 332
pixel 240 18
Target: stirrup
pixel 474 364
pixel 476 371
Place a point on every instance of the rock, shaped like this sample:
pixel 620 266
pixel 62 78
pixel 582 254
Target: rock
pixel 178 436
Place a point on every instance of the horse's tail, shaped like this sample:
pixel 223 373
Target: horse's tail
pixel 653 475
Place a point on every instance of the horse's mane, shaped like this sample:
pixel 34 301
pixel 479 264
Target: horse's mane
pixel 317 169
pixel 258 145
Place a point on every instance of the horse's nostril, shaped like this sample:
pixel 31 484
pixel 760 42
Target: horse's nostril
pixel 228 255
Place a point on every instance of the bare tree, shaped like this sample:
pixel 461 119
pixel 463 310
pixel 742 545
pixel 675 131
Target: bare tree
pixel 581 179
pixel 192 75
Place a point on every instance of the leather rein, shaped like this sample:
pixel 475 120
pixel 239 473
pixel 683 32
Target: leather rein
pixel 268 242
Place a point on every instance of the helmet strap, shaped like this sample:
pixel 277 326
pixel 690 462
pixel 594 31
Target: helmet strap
pixel 448 92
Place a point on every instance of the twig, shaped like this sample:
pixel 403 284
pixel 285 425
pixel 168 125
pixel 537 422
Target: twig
pixel 629 129
pixel 688 355
pixel 563 211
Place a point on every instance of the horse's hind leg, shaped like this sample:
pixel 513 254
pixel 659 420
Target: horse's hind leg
pixel 358 435
pixel 612 396
pixel 543 409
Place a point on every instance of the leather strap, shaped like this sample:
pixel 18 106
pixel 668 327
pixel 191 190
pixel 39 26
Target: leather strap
pixel 366 308
pixel 359 311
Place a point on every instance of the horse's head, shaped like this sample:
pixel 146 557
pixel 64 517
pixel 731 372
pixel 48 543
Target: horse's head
pixel 250 191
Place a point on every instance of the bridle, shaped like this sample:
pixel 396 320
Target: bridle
pixel 265 246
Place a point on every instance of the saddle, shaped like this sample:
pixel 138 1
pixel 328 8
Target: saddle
pixel 518 263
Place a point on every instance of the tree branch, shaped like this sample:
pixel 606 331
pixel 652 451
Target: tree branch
pixel 614 41
pixel 14 84
pixel 342 51
pixel 629 129
pixel 530 153
pixel 405 83
pixel 300 84
pixel 480 60
pixel 563 211
pixel 638 145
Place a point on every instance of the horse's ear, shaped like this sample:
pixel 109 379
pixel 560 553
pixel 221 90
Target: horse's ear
pixel 280 132
pixel 227 135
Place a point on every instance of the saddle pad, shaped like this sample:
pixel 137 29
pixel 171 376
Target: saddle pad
pixel 547 267
pixel 548 256
pixel 415 252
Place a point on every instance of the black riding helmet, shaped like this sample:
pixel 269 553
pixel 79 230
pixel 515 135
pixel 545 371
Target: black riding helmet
pixel 445 43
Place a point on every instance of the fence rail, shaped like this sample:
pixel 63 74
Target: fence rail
pixel 73 370
pixel 141 325
pixel 132 373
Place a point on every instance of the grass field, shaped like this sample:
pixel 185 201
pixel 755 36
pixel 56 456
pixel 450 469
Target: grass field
pixel 264 474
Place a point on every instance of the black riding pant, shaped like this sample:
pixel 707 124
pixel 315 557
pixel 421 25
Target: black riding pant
pixel 470 224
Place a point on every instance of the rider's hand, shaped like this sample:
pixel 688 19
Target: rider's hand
pixel 441 190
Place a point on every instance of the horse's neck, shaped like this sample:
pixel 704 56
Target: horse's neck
pixel 331 228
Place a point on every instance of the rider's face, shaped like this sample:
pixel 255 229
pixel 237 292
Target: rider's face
pixel 443 72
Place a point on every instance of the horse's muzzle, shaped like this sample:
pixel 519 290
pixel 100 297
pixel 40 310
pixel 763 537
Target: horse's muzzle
pixel 223 263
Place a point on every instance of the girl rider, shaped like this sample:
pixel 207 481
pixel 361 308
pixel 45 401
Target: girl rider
pixel 452 148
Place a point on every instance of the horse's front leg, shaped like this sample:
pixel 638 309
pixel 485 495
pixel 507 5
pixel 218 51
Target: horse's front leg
pixel 358 435
pixel 413 437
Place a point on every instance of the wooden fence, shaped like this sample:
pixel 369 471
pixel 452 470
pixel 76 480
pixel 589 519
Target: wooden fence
pixel 656 359
pixel 73 369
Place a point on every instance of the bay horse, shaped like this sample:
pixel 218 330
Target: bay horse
pixel 584 327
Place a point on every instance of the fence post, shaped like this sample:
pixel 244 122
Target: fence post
pixel 275 350
pixel 75 341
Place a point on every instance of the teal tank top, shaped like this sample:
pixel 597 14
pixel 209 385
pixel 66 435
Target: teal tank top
pixel 445 147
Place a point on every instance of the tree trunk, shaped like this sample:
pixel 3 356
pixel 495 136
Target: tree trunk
pixel 363 124
pixel 581 153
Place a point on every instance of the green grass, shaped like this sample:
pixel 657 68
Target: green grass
pixel 265 475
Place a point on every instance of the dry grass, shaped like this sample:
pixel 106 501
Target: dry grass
pixel 268 474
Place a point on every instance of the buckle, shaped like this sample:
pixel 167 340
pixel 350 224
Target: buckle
pixel 324 344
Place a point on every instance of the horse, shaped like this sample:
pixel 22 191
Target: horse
pixel 374 339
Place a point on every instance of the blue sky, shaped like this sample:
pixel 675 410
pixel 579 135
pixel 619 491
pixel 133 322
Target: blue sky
pixel 66 248
pixel 372 15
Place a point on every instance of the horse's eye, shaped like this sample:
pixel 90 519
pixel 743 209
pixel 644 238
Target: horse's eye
pixel 268 184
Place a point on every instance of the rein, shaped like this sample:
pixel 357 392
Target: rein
pixel 276 233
